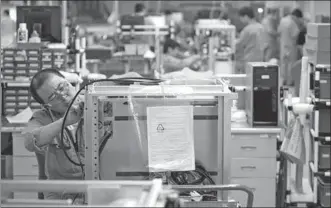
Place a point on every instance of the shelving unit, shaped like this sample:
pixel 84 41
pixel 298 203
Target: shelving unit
pixel 318 45
pixel 309 184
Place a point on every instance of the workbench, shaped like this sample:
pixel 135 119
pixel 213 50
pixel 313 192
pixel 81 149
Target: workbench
pixel 253 161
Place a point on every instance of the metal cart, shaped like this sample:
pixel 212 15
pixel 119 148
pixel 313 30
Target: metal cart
pixel 223 203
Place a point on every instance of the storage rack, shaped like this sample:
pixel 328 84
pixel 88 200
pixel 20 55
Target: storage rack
pixel 318 48
pixel 20 62
pixel 19 65
pixel 320 133
pixel 315 91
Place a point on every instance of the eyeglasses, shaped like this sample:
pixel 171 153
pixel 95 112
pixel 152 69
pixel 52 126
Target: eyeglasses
pixel 61 90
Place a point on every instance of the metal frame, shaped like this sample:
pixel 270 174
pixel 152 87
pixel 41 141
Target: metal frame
pixel 210 28
pixel 223 95
pixel 151 30
pixel 301 172
pixel 152 192
pixel 92 189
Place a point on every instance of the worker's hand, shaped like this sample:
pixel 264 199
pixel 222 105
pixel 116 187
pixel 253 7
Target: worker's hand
pixel 75 113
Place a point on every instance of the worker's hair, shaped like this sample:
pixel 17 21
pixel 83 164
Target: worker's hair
pixel 139 7
pixel 298 13
pixel 247 11
pixel 39 79
pixel 224 16
pixel 170 43
pixel 168 12
pixel 6 12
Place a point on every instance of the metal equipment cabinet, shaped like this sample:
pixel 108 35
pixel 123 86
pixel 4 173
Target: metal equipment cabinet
pixel 320 134
pixel 122 154
pixel 253 162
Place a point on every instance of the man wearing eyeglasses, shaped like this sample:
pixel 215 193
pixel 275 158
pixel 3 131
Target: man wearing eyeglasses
pixel 42 134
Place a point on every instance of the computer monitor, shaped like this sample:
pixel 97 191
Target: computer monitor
pixel 45 19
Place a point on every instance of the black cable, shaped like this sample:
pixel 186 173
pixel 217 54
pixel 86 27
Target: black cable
pixel 181 178
pixel 125 81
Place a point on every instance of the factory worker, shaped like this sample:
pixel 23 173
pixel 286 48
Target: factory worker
pixel 249 46
pixel 173 58
pixel 289 29
pixel 270 34
pixel 50 88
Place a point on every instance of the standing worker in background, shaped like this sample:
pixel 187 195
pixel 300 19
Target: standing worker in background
pixel 249 47
pixel 140 10
pixel 270 34
pixel 8 29
pixel 289 29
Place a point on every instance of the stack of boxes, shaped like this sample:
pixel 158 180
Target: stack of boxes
pixel 18 66
pixel 20 63
pixel 53 58
pixel 318 52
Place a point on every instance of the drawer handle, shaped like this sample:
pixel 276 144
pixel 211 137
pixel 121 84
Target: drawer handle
pixel 35 166
pixel 249 148
pixel 325 156
pixel 248 168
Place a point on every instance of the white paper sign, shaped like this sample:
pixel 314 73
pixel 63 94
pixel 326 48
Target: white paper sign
pixel 170 138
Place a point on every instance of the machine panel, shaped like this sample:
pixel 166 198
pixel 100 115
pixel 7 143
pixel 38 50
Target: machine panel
pixel 125 154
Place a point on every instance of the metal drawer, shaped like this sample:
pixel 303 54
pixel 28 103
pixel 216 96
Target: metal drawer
pixel 242 146
pixel 253 167
pixel 324 157
pixel 324 191
pixel 25 166
pixel 324 121
pixel 19 148
pixel 264 190
pixel 317 44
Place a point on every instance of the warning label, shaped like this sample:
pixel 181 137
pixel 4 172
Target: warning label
pixel 160 128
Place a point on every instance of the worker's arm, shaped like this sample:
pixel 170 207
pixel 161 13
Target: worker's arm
pixel 242 41
pixel 190 60
pixel 171 64
pixel 38 136
pixel 294 31
pixel 269 29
